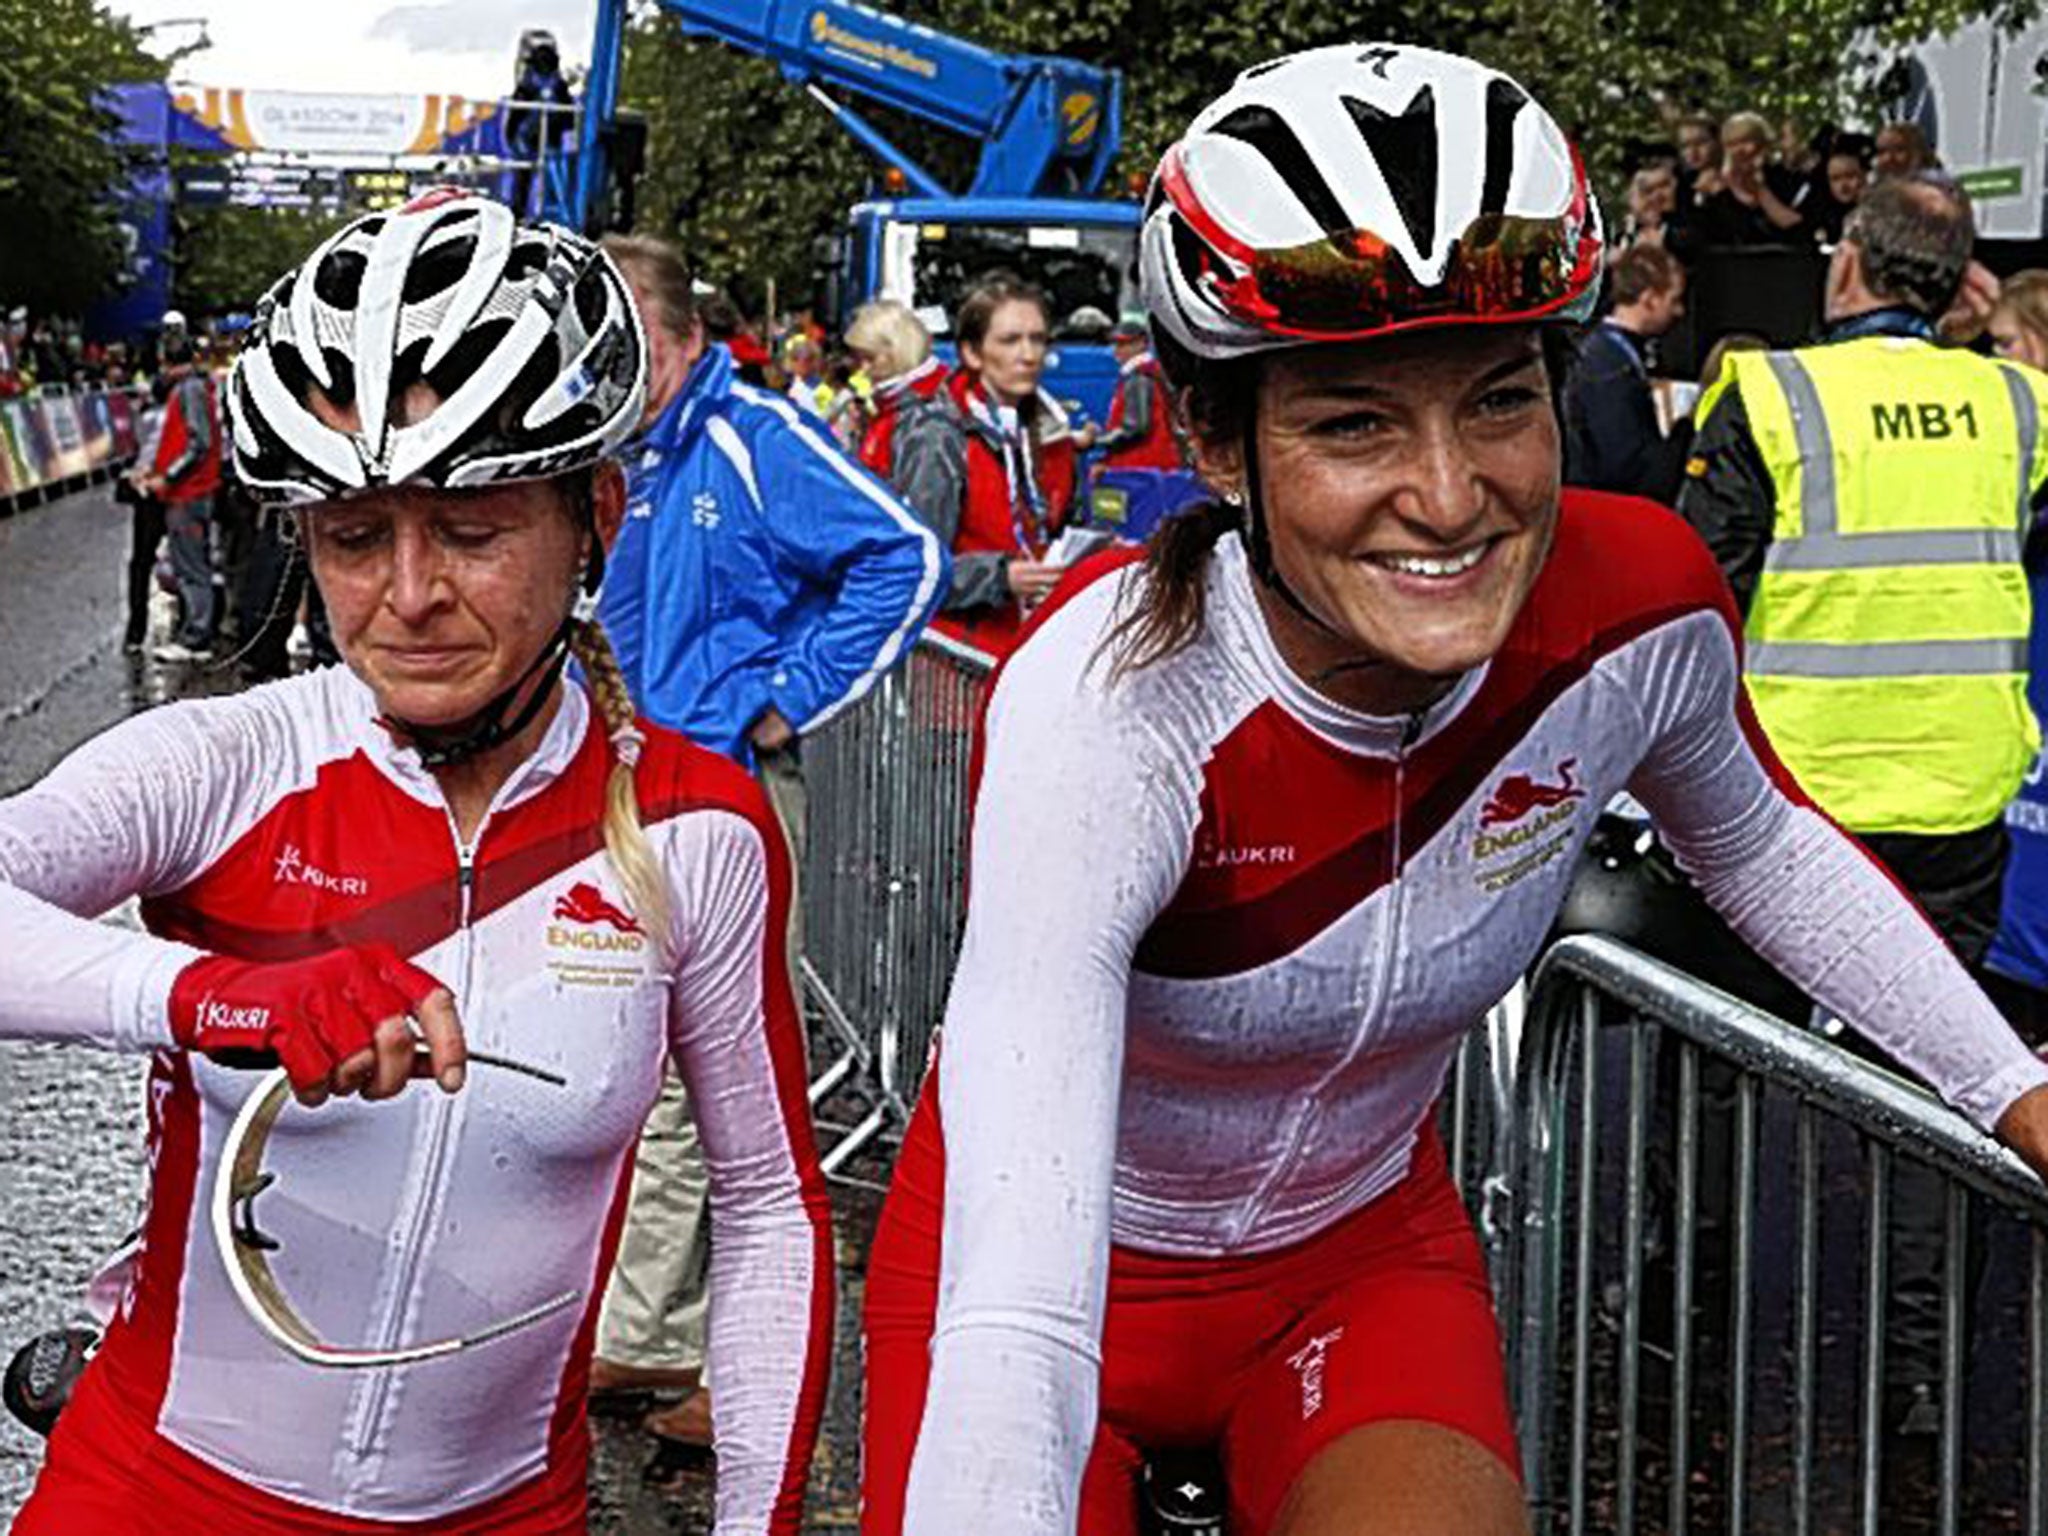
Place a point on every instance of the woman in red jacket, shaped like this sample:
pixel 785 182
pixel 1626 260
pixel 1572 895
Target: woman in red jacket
pixel 995 472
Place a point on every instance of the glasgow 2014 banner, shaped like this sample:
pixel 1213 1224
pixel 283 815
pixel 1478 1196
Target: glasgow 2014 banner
pixel 320 122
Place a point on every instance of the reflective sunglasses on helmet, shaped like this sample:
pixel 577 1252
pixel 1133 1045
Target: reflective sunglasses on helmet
pixel 1353 284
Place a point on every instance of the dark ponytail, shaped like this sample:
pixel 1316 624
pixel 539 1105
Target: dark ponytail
pixel 1214 401
pixel 1171 594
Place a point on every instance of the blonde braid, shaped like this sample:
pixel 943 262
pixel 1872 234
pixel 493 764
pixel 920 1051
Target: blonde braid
pixel 625 839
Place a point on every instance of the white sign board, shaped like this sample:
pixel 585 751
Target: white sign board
pixel 323 122
pixel 1978 94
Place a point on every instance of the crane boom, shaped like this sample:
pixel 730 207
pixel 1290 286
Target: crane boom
pixel 1049 126
pixel 1049 129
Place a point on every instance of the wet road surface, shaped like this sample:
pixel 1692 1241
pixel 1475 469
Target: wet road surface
pixel 71 1122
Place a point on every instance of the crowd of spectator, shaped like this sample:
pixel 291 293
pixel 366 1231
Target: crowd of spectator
pixel 1736 181
pixel 36 351
pixel 40 352
pixel 1721 189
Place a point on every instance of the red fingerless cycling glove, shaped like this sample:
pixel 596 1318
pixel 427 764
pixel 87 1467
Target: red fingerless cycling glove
pixel 311 1015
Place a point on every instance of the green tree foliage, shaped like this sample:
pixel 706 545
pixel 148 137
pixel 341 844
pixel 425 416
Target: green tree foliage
pixel 744 170
pixel 748 171
pixel 228 256
pixel 59 166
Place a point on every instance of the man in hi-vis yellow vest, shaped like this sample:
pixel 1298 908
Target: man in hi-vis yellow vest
pixel 1868 498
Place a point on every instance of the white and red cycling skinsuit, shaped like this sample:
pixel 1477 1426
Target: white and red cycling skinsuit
pixel 286 822
pixel 1224 939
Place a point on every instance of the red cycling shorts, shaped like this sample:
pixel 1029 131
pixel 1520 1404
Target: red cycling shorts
pixel 1268 1357
pixel 107 1473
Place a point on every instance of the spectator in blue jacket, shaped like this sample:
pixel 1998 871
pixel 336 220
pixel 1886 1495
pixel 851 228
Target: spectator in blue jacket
pixel 1612 438
pixel 762 583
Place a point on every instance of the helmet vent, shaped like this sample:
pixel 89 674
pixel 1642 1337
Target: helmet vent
pixel 528 257
pixel 1262 128
pixel 467 355
pixel 590 299
pixel 438 268
pixel 1504 103
pixel 340 278
pixel 1404 151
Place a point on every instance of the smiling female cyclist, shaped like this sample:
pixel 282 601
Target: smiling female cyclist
pixel 1175 1181
pixel 444 828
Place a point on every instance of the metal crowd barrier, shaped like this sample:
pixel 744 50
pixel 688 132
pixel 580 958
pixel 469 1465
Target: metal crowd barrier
pixel 884 883
pixel 1677 1193
pixel 1764 1408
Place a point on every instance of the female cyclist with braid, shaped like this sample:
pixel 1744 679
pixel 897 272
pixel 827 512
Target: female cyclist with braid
pixel 445 830
pixel 1175 1181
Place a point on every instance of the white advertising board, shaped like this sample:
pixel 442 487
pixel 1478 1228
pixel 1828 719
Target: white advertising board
pixel 1979 96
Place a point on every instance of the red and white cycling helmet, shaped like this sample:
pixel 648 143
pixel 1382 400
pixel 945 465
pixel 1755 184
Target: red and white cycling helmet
pixel 526 332
pixel 1352 191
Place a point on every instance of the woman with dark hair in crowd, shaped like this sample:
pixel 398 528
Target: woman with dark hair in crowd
pixel 1335 747
pixel 996 473
pixel 1847 179
pixel 1019 470
pixel 1699 159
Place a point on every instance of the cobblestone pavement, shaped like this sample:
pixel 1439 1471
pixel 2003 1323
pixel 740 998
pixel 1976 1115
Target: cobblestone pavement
pixel 71 1181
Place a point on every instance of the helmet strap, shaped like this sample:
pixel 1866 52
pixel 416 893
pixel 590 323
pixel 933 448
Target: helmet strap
pixel 496 723
pixel 446 746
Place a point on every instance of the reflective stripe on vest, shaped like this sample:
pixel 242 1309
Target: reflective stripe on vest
pixel 1887 637
pixel 1889 658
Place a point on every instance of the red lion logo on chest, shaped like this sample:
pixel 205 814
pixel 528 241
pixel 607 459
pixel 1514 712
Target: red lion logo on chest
pixel 1519 794
pixel 585 903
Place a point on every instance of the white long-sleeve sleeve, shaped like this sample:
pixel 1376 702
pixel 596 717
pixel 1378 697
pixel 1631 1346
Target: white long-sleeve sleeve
pixel 1033 1063
pixel 125 815
pixel 737 1042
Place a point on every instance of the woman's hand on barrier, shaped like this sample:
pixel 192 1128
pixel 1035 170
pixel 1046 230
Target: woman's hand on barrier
pixel 338 1022
pixel 2024 1128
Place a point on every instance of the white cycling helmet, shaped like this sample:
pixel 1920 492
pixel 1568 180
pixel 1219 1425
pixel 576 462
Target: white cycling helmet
pixel 526 333
pixel 1348 192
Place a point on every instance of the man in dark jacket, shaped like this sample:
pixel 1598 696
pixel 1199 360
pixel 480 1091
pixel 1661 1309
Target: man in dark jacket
pixel 1612 439
pixel 538 118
